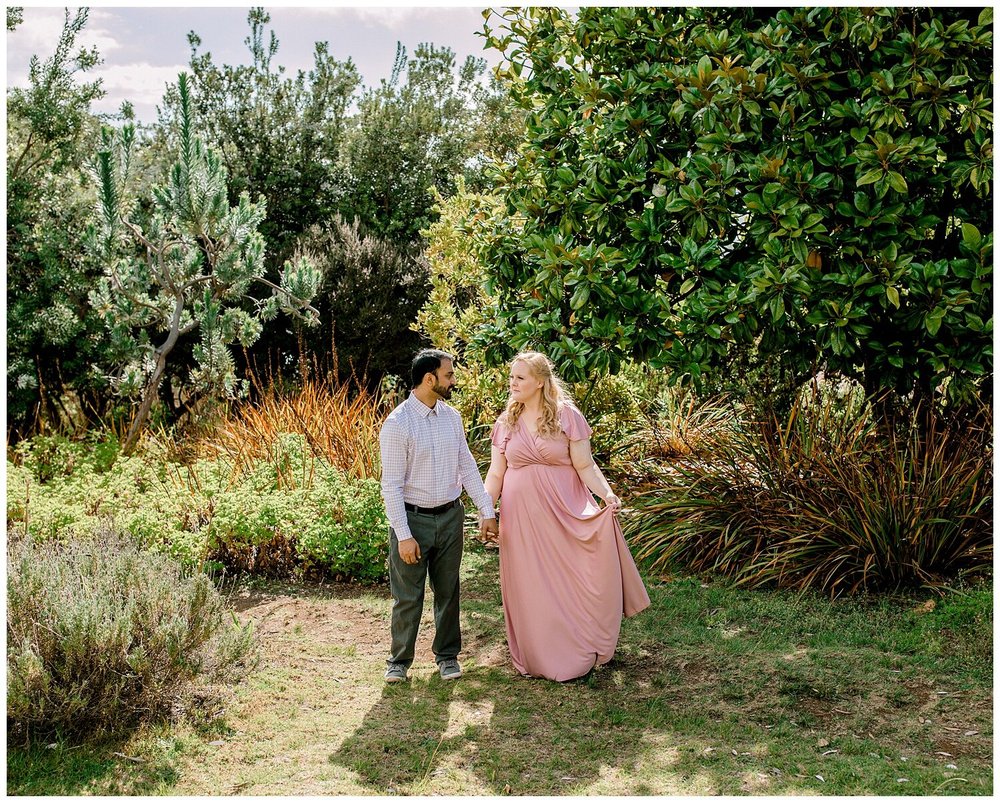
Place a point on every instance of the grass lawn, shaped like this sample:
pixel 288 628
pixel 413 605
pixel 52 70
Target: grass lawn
pixel 714 690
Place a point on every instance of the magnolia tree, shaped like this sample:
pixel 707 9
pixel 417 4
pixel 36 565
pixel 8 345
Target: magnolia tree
pixel 186 268
pixel 708 189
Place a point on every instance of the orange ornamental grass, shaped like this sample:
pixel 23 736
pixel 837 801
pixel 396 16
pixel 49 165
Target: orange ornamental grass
pixel 340 424
pixel 684 426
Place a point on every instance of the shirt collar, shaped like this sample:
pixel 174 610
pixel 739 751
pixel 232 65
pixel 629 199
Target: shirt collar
pixel 419 407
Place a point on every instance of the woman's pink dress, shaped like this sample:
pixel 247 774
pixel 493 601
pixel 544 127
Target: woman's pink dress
pixel 566 574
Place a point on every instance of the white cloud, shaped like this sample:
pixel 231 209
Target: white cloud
pixel 142 85
pixel 38 34
pixel 393 18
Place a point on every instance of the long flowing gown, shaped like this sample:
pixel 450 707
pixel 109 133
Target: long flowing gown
pixel 566 574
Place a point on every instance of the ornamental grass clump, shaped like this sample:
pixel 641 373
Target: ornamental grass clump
pixel 826 500
pixel 340 425
pixel 103 635
pixel 682 425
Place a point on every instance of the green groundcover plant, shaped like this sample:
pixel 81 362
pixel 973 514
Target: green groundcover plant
pixel 206 514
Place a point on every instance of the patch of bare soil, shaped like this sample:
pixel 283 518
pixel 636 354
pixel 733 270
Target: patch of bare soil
pixel 347 616
pixel 333 620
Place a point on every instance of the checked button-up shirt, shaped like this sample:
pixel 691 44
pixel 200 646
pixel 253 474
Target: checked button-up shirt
pixel 426 462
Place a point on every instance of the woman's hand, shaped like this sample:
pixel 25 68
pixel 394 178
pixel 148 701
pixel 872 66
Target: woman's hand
pixel 613 502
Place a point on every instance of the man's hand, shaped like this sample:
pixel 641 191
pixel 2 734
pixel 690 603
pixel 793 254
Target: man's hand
pixel 409 550
pixel 489 530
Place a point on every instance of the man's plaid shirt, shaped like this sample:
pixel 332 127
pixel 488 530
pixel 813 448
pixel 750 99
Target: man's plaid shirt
pixel 426 461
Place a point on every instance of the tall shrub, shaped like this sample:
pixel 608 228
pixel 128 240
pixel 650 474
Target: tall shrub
pixel 187 269
pixel 822 500
pixel 369 292
pixel 54 346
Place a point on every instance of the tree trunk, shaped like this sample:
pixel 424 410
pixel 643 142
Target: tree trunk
pixel 148 397
pixel 153 386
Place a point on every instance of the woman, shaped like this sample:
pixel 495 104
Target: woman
pixel 566 574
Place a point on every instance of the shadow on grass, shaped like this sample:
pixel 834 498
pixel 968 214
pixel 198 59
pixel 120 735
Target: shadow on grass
pixel 494 732
pixel 402 735
pixel 58 769
pixel 713 690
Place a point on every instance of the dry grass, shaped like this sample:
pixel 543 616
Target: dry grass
pixel 681 425
pixel 340 424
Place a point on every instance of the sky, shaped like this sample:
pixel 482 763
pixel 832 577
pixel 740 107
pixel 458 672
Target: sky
pixel 145 47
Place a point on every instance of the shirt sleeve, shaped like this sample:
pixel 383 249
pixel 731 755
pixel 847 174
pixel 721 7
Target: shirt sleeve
pixel 392 448
pixel 573 423
pixel 471 481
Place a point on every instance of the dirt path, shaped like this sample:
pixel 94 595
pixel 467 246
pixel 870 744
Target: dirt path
pixel 323 657
pixel 676 713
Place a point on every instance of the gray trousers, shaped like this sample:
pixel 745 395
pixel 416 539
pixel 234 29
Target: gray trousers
pixel 440 540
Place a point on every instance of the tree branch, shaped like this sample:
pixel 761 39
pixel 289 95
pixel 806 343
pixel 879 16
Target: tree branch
pixel 175 326
pixel 17 164
pixel 298 301
pixel 44 155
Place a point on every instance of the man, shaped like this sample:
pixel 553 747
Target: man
pixel 425 463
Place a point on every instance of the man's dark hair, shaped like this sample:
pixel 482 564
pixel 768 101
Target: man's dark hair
pixel 426 362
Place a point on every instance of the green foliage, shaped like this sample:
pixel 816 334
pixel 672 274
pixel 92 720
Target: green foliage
pixel 50 133
pixel 411 135
pixel 458 303
pixel 611 405
pixel 287 514
pixel 102 635
pixel 54 108
pixel 348 531
pixel 822 500
pixel 322 150
pixel 700 186
pixel 49 456
pixel 187 269
pixel 279 135
pixel 680 424
pixel 965 617
pixel 371 287
pixel 457 306
pixel 327 525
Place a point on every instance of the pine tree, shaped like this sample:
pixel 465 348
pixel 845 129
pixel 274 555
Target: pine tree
pixel 187 269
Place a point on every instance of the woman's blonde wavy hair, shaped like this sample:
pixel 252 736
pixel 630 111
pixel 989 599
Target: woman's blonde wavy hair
pixel 554 394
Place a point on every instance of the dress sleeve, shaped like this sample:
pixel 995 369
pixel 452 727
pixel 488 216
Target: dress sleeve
pixel 499 436
pixel 573 423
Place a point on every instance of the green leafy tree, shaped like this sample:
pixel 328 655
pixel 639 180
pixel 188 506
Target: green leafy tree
pixel 712 188
pixel 411 135
pixel 458 304
pixel 499 130
pixel 187 268
pixel 278 136
pixel 50 133
pixel 371 290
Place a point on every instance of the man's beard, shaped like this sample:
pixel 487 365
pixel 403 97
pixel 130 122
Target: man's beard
pixel 443 392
